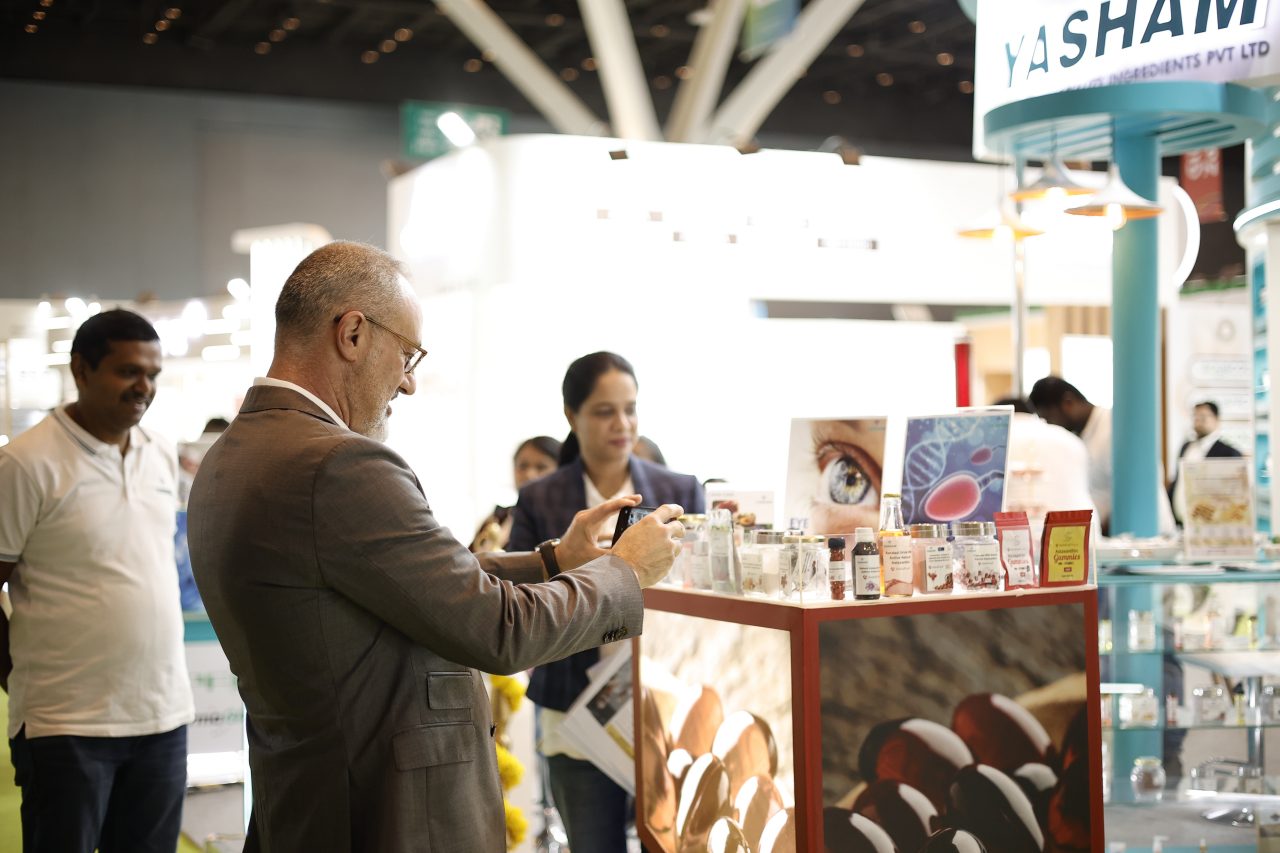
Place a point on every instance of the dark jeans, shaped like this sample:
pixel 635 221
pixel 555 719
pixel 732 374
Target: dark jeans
pixel 594 809
pixel 116 794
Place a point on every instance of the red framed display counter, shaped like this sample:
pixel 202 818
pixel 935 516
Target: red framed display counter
pixel 768 726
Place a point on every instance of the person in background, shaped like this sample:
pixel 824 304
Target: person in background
pixel 1060 403
pixel 535 457
pixel 99 698
pixel 1048 468
pixel 190 455
pixel 648 450
pixel 354 623
pixel 597 463
pixel 1207 444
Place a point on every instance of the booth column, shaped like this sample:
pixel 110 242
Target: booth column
pixel 1135 336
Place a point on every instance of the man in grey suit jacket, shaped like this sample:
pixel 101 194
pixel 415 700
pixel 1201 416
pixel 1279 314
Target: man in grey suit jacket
pixel 354 622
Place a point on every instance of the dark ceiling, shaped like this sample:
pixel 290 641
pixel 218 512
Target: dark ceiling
pixel 896 79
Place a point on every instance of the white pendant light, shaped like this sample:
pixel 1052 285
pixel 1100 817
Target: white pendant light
pixel 1003 224
pixel 1054 182
pixel 1117 203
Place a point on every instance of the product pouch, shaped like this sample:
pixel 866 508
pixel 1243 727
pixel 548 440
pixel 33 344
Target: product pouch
pixel 1014 532
pixel 1064 548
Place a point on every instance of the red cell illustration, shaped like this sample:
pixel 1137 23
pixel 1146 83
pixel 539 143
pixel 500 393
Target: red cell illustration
pixel 955 497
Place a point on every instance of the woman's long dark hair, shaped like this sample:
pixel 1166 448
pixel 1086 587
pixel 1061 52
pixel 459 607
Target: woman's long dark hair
pixel 579 381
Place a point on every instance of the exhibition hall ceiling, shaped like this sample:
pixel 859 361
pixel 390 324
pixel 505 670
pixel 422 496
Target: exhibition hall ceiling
pixel 899 73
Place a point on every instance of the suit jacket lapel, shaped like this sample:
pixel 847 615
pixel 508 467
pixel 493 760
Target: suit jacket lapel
pixel 641 482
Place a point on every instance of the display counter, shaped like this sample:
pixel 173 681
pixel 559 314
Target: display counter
pixel 771 726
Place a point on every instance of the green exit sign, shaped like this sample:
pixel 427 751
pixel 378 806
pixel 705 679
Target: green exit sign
pixel 429 129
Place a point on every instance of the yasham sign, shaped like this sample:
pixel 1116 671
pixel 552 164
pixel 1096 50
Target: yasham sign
pixel 1027 48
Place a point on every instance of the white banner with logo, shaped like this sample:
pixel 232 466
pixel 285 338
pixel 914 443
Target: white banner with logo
pixel 1027 48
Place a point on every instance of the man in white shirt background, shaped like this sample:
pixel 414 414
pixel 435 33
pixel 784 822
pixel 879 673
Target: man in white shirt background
pixel 1207 444
pixel 92 656
pixel 1061 404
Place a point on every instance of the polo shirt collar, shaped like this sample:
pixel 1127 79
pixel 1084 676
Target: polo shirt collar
pixel 91 443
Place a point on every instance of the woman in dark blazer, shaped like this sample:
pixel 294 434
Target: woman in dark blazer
pixel 596 463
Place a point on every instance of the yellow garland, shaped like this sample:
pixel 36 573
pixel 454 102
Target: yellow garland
pixel 517 826
pixel 510 770
pixel 510 688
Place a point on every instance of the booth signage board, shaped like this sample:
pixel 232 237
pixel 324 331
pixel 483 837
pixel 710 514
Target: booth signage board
pixel 1027 48
pixel 420 134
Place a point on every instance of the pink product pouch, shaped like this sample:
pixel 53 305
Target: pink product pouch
pixel 1013 531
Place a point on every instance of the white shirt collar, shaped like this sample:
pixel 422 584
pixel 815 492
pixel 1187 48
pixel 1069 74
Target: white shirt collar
pixel 92 443
pixel 272 382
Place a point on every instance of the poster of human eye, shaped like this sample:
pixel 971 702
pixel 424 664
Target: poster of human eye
pixel 834 473
pixel 954 466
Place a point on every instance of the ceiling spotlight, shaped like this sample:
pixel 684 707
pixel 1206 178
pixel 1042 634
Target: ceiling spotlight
pixel 945 58
pixel 388 45
pixel 46 3
pixel 403 34
pixel 162 25
pixel 471 66
pixel 855 50
pixel 916 27
pixel 966 87
pixel 684 72
pixel 662 82
pixel 659 31
pixel 369 57
pixel 831 96
pixel 568 74
pixel 30 28
pixel 38 15
pixel 262 48
pixel 277 35
pixel 150 38
pixel 589 64
pixel 291 24
pixel 456 129
pixel 555 19
pixel 884 78
pixel 173 13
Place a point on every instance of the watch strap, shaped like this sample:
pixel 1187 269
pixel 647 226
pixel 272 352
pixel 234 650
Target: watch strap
pixel 547 550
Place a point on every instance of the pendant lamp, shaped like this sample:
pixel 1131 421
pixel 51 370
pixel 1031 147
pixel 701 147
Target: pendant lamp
pixel 1117 203
pixel 1001 224
pixel 1054 181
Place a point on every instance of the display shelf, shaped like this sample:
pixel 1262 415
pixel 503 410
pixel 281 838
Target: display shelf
pixel 1196 727
pixel 1121 577
pixel 1161 651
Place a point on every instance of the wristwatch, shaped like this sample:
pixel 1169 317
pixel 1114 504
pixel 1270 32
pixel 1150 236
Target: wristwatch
pixel 547 550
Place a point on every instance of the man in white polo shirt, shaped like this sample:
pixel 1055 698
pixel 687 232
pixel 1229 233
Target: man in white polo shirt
pixel 99 697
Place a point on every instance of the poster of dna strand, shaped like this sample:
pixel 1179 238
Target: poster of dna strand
pixel 954 466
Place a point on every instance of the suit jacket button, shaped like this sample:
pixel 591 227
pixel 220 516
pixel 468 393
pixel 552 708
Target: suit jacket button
pixel 492 730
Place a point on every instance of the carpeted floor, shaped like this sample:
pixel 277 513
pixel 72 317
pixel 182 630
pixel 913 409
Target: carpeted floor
pixel 11 799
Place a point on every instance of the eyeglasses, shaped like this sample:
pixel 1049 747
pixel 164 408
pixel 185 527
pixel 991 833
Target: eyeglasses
pixel 411 359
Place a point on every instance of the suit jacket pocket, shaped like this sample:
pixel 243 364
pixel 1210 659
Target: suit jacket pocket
pixel 434 744
pixel 449 690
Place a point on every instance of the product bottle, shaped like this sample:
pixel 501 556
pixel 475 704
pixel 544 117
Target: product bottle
pixel 866 565
pixel 720 541
pixel 838 568
pixel 700 559
pixel 895 549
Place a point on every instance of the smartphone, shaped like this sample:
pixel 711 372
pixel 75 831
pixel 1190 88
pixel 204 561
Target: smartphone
pixel 628 517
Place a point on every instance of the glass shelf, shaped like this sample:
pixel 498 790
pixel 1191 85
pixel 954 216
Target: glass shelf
pixel 1198 727
pixel 1120 576
pixel 1118 652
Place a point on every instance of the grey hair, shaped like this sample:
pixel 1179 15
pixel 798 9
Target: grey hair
pixel 338 277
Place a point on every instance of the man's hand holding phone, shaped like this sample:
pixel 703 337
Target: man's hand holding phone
pixel 651 544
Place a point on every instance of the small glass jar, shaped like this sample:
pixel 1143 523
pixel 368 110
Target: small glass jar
pixel 1142 631
pixel 760 555
pixel 788 566
pixel 930 559
pixel 976 557
pixel 1210 705
pixel 1269 702
pixel 813 570
pixel 1139 710
pixel 1147 778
